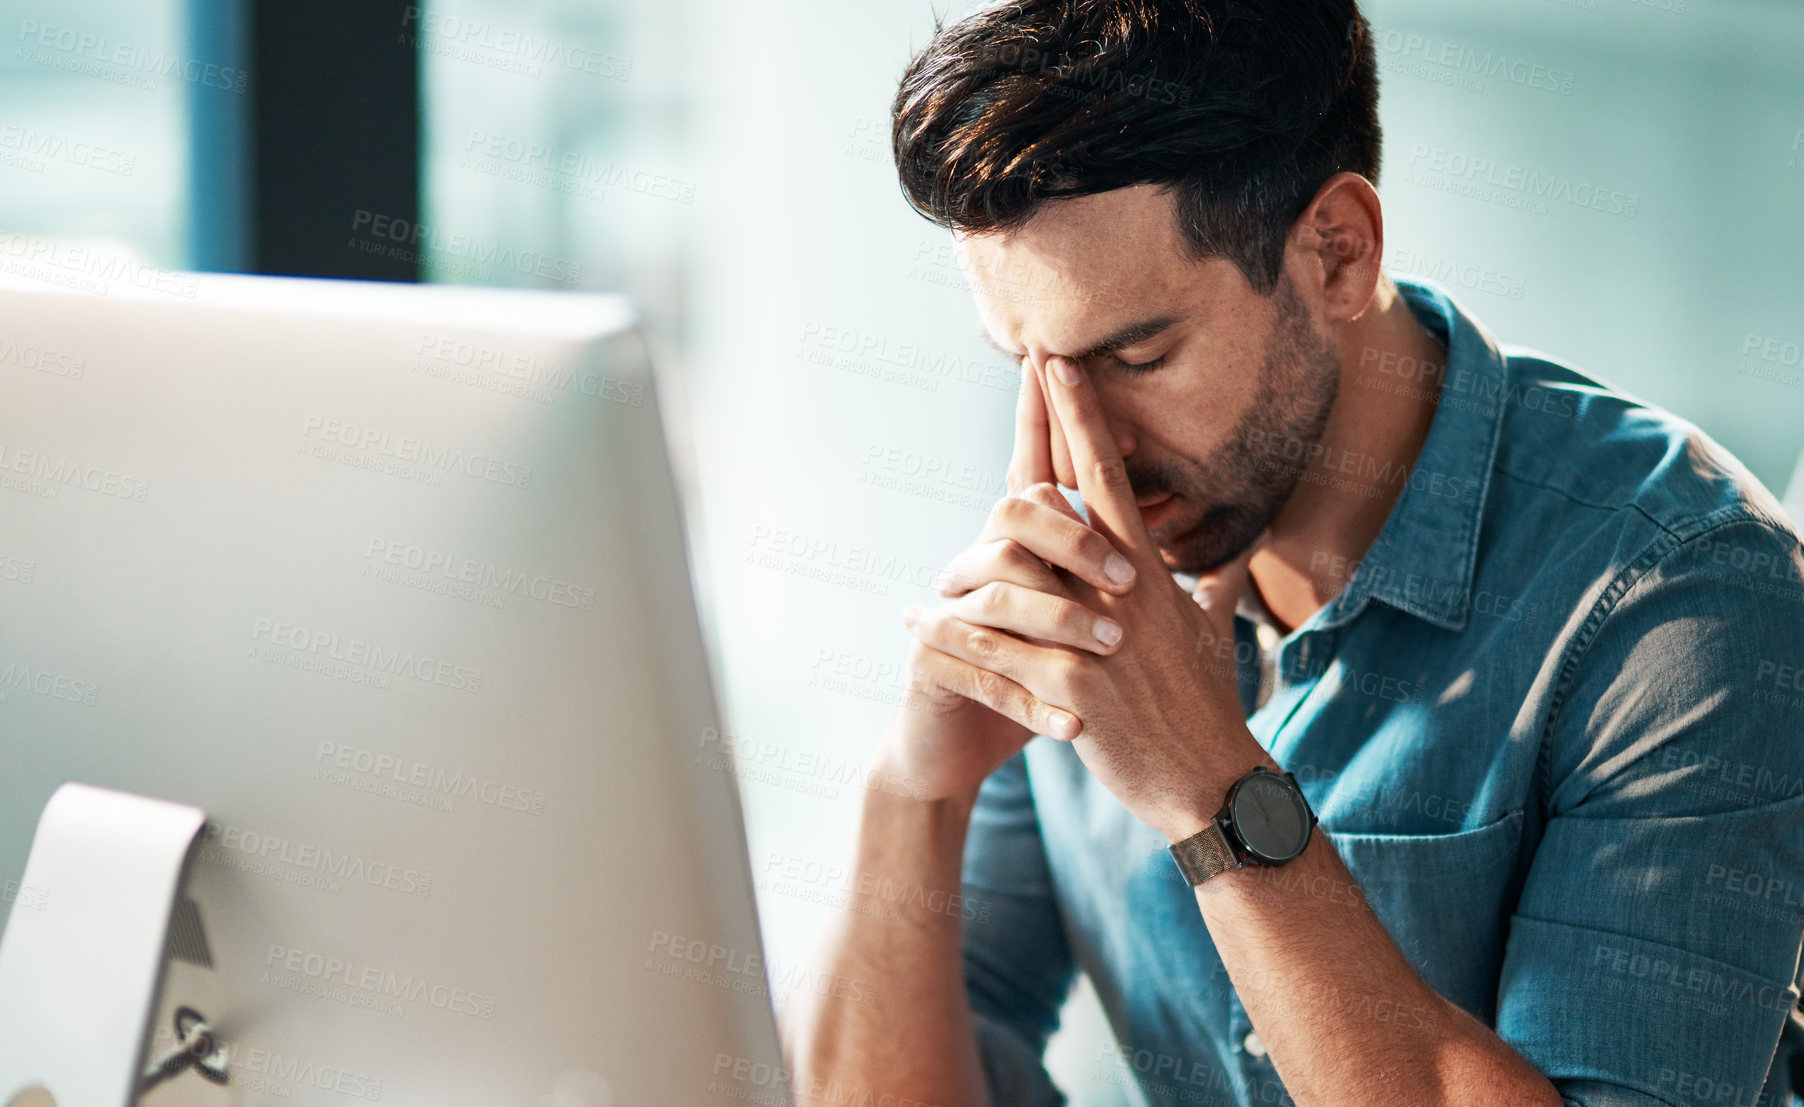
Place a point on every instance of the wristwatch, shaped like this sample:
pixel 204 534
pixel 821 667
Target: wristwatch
pixel 1266 821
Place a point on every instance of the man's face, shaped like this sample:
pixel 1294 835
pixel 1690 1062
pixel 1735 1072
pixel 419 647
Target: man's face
pixel 1214 392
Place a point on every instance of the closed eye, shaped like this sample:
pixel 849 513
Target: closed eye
pixel 1141 367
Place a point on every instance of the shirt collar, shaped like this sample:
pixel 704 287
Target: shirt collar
pixel 1423 559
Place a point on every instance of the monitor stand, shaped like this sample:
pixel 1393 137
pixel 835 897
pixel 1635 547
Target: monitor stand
pixel 82 959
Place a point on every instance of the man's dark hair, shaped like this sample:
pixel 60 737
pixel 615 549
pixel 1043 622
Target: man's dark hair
pixel 1241 108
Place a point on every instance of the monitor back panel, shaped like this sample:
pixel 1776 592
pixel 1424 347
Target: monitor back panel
pixel 391 581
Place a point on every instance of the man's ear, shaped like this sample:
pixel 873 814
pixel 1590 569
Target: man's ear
pixel 1339 242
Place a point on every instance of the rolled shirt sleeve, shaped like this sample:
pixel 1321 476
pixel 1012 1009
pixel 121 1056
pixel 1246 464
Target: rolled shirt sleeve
pixel 1653 957
pixel 1018 966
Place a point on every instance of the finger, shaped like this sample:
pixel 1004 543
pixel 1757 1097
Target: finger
pixel 1100 473
pixel 940 670
pixel 1048 493
pixel 1061 541
pixel 1031 464
pixel 1027 613
pixel 985 647
pixel 1056 440
pixel 1001 560
pixel 1006 559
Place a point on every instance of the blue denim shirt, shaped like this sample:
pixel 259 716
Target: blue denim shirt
pixel 1554 725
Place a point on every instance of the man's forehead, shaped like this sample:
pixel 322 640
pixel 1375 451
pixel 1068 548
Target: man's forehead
pixel 1085 269
pixel 1078 248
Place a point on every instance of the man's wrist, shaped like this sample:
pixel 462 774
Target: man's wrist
pixel 1196 816
pixel 1312 877
pixel 889 784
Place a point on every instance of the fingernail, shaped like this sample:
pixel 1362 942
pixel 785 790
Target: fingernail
pixel 1066 369
pixel 1064 727
pixel 1107 631
pixel 1118 569
pixel 911 615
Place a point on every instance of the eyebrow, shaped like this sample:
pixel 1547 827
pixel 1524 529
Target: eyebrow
pixel 995 345
pixel 1131 335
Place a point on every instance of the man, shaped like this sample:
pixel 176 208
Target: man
pixel 1527 648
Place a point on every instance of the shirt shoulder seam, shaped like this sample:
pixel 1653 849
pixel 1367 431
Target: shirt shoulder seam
pixel 1625 505
pixel 1664 545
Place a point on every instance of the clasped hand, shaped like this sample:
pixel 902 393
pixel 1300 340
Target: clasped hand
pixel 1051 626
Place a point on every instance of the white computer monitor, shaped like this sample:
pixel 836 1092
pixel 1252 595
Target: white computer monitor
pixel 391 581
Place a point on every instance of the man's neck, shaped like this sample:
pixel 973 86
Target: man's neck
pixel 1380 421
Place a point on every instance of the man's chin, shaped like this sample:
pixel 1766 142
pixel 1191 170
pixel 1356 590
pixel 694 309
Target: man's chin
pixel 1199 548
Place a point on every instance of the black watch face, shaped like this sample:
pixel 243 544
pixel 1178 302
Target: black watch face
pixel 1270 817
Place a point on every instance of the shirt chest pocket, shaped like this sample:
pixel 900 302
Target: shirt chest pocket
pixel 1443 899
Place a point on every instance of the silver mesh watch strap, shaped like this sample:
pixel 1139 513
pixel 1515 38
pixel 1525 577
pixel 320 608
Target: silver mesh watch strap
pixel 1204 854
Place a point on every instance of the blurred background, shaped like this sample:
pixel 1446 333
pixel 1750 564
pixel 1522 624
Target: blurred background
pixel 727 164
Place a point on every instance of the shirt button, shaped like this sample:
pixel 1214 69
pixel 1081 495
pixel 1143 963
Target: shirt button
pixel 1254 1045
